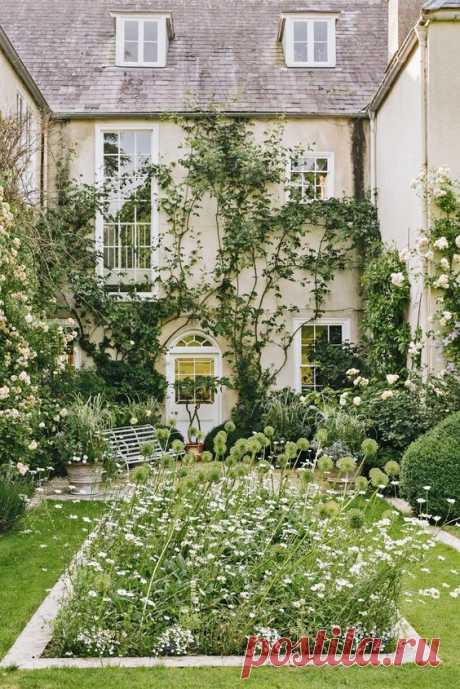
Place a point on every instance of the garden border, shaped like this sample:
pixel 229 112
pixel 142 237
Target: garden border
pixel 26 652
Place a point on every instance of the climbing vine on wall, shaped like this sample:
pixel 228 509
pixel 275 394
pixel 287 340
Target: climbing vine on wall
pixel 440 247
pixel 386 293
pixel 262 243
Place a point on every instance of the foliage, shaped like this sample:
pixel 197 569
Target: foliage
pixel 134 413
pixel 440 247
pixel 386 292
pixel 81 438
pixel 398 413
pixel 342 426
pixel 333 361
pixel 233 436
pixel 32 350
pixel 15 155
pixel 290 415
pixel 430 472
pixel 15 489
pixel 185 567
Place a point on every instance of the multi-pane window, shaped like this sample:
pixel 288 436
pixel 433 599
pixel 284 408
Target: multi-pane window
pixel 142 41
pixel 140 44
pixel 193 380
pixel 310 372
pixel 311 175
pixel 127 233
pixel 309 41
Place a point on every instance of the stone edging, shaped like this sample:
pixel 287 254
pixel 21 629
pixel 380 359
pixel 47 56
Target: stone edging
pixel 440 535
pixel 26 653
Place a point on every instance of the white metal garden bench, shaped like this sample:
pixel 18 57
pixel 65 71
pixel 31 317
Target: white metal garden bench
pixel 126 444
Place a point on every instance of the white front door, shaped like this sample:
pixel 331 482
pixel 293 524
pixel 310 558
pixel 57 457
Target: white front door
pixel 189 363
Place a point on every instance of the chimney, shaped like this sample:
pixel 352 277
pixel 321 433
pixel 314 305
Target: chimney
pixel 402 17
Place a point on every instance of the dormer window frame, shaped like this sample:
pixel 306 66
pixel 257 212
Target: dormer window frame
pixel 165 33
pixel 287 37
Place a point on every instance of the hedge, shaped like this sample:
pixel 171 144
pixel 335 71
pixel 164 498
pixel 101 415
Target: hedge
pixel 434 460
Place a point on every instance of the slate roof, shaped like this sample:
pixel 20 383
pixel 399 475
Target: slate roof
pixel 225 53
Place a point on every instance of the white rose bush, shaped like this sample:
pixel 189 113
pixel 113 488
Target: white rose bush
pixel 440 247
pixel 32 351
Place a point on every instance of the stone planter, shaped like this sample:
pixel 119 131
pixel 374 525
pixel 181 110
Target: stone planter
pixel 195 449
pixel 85 479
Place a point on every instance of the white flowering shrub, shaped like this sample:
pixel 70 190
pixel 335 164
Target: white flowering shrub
pixel 197 560
pixel 440 247
pixel 32 351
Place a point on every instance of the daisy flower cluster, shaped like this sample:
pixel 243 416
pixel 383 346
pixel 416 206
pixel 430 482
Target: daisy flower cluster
pixel 197 560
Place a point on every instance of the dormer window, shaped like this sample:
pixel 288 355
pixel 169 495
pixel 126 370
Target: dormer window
pixel 308 40
pixel 143 40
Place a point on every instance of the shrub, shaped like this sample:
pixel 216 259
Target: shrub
pixel 333 361
pixel 81 438
pixel 290 415
pixel 434 460
pixel 342 427
pixel 134 413
pixel 232 437
pixel 15 489
pixel 32 350
pixel 413 408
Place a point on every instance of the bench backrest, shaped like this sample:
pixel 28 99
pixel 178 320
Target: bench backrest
pixel 127 442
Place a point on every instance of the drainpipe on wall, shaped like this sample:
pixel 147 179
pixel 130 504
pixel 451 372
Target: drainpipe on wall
pixel 44 162
pixel 373 156
pixel 422 34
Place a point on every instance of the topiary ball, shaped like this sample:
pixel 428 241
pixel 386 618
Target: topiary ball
pixel 434 460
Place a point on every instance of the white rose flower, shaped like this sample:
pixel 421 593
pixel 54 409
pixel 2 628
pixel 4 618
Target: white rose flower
pixel 457 241
pixel 4 392
pixel 397 279
pixel 442 282
pixel 357 401
pixel 22 468
pixel 444 263
pixel 441 244
pixel 352 372
pixel 392 378
pixel 387 394
pixel 33 445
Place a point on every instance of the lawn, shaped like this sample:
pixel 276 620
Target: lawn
pixel 24 583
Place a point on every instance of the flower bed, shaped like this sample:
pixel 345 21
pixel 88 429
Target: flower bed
pixel 196 561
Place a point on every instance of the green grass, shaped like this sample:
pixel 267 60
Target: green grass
pixel 430 618
pixel 27 569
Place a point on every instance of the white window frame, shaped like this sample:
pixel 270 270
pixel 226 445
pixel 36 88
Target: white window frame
pixel 163 39
pixel 330 180
pixel 288 39
pixel 297 343
pixel 117 126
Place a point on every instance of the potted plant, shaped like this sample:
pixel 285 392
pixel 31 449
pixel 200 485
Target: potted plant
pixel 195 443
pixel 84 445
pixel 194 392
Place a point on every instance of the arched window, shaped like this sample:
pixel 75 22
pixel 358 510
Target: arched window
pixel 194 340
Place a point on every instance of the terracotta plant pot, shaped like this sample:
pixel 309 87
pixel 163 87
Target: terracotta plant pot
pixel 85 479
pixel 195 449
